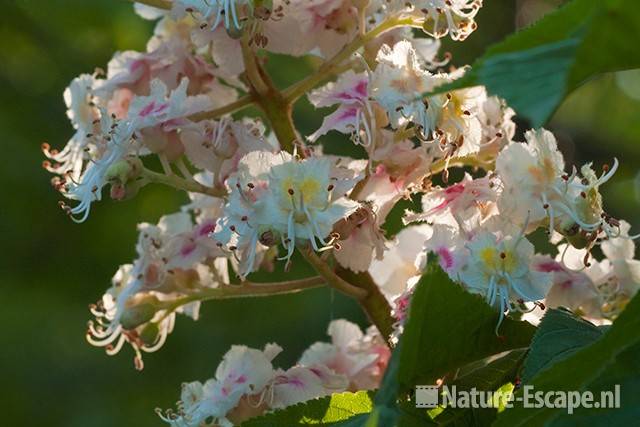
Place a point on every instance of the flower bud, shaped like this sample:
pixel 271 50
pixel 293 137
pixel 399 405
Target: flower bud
pixel 149 334
pixel 121 192
pixel 139 311
pixel 125 170
pixel 123 177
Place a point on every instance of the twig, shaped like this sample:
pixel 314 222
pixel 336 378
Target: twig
pixel 330 276
pixel 247 290
pixel 182 184
pixel 327 69
pixel 241 103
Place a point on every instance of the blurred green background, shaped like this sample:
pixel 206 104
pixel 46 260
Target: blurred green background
pixel 51 268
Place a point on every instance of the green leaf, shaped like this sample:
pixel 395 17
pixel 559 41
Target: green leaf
pixel 559 335
pixel 489 377
pixel 612 357
pixel 325 411
pixel 536 68
pixel 448 327
pixel 625 372
pixel 385 411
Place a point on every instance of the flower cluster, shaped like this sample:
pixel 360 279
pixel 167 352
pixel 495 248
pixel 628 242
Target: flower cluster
pixel 246 383
pixel 259 191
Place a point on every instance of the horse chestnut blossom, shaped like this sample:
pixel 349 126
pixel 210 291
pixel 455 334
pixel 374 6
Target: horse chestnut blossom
pixel 258 191
pixel 246 383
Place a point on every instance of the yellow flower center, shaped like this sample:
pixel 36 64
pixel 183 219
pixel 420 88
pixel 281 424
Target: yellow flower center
pixel 494 260
pixel 309 189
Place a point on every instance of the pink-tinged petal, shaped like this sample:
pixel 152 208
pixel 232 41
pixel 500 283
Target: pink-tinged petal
pixel 295 382
pixel 342 120
pixel 349 89
pixel 148 109
pixel 446 258
pixel 566 284
pixel 206 228
pixel 549 267
pixel 137 65
pixel 357 93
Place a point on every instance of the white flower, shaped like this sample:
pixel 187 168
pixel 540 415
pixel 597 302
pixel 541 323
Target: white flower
pixel 108 332
pixel 83 114
pixel 360 240
pixel 498 127
pixel 536 188
pixel 397 84
pixel 302 383
pixel 243 372
pixel 458 117
pixel 456 204
pixel 354 115
pixel 228 11
pixel 325 25
pixel 598 290
pixel 585 206
pixel 148 12
pixel 275 197
pixel 120 138
pixel 573 285
pixel 246 221
pixel 620 251
pixel 398 169
pixel 454 17
pixel 302 195
pixel 447 243
pixel 401 263
pixel 171 263
pixel 218 146
pixel 361 358
pixel 500 269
